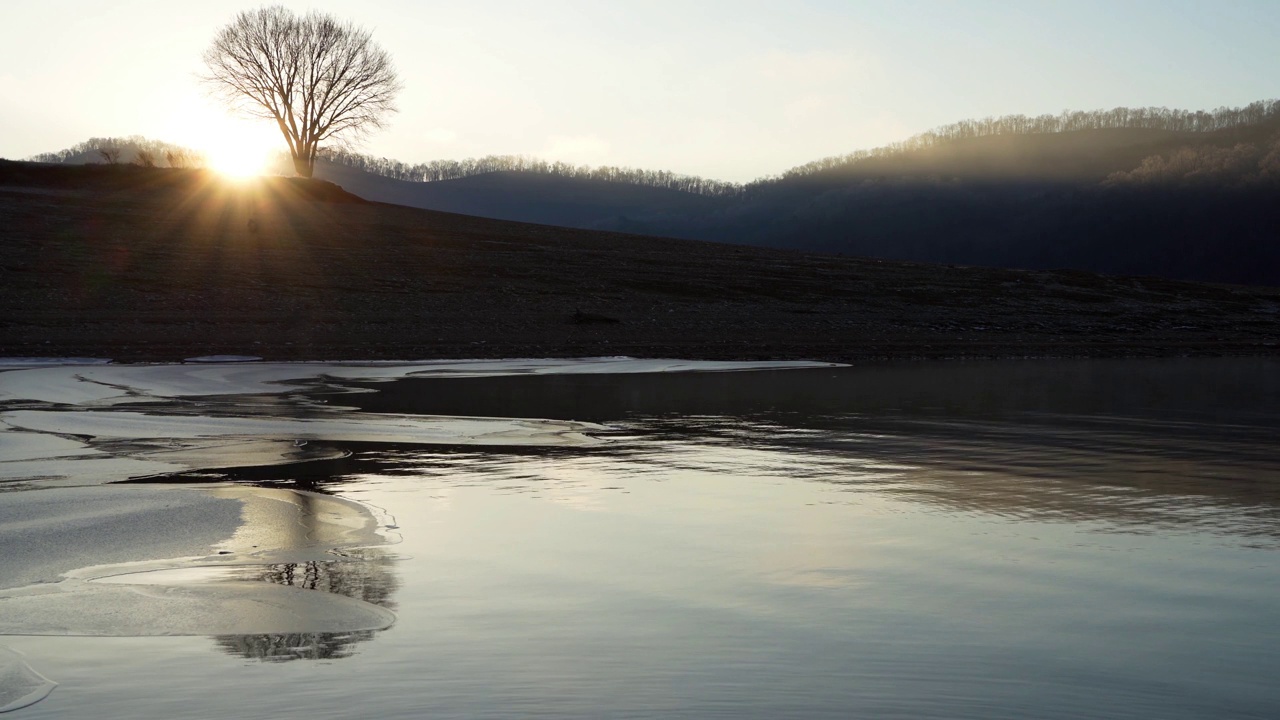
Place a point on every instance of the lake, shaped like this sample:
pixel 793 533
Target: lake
pixel 641 539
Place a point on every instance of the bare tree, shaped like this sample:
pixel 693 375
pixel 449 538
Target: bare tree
pixel 145 158
pixel 319 79
pixel 109 155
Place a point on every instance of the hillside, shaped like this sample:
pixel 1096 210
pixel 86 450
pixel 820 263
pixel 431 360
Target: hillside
pixel 529 197
pixel 1197 206
pixel 160 264
pixel 1137 191
pixel 1080 155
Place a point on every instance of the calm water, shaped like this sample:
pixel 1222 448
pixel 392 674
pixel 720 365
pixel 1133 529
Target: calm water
pixel 990 540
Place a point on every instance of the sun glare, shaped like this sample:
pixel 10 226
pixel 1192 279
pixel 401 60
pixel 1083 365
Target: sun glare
pixel 237 161
pixel 233 147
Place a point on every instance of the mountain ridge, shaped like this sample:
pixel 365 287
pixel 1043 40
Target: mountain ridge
pixel 1180 194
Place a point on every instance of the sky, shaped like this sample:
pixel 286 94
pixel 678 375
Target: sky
pixel 728 90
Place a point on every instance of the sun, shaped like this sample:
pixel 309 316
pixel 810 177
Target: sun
pixel 236 160
pixel 238 150
pixel 234 147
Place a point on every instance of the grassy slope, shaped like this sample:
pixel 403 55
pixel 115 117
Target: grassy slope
pixel 156 264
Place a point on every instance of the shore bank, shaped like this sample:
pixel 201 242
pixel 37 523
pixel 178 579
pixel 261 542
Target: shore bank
pixel 160 265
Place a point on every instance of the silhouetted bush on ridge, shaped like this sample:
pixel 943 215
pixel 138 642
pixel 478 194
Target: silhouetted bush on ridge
pixel 128 149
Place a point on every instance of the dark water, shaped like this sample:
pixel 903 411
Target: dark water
pixel 994 540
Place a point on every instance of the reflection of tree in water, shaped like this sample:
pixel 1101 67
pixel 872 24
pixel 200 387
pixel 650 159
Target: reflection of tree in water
pixel 366 575
pixel 293 646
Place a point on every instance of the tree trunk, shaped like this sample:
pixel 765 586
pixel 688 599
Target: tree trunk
pixel 303 167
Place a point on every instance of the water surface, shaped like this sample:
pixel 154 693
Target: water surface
pixel 977 540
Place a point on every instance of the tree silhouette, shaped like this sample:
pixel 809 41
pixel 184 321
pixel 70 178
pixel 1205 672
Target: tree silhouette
pixel 318 78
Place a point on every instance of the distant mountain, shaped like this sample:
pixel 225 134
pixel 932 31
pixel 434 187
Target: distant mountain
pixel 1147 191
pixel 531 197
pixel 1191 205
pixel 1141 191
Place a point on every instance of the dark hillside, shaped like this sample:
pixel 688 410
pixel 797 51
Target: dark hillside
pixel 130 180
pixel 528 197
pixel 1196 206
pixel 1144 191
pixel 159 264
pixel 1187 195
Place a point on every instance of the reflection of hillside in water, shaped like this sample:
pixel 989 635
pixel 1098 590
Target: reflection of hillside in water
pixel 1138 444
pixel 367 575
pixel 1136 476
pixel 1132 475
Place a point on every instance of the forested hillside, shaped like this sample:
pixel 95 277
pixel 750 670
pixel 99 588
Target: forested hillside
pixel 1190 203
pixel 1136 125
pixel 440 170
pixel 1145 191
pixel 527 196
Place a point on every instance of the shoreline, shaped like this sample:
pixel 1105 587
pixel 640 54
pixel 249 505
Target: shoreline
pixel 137 350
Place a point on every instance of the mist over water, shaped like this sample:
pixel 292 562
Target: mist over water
pixel 978 540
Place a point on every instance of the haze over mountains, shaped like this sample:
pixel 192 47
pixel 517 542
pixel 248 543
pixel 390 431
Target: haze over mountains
pixel 1189 195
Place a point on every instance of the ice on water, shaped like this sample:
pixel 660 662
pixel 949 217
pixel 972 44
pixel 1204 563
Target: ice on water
pixel 86 556
pixel 20 684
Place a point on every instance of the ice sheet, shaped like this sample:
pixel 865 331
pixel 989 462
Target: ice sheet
pixel 235 608
pixel 99 446
pixel 351 427
pixel 223 358
pixel 20 684
pixel 97 423
pixel 51 459
pixel 98 531
pixel 113 384
pixel 50 532
pixel 27 362
pixel 132 560
pixel 67 423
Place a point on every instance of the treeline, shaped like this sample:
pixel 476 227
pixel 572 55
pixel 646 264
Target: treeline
pixel 1152 118
pixel 133 149
pixel 438 170
pixel 1149 118
pixel 1240 164
pixel 1248 161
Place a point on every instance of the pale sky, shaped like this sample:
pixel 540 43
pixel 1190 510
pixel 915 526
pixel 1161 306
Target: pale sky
pixel 731 90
